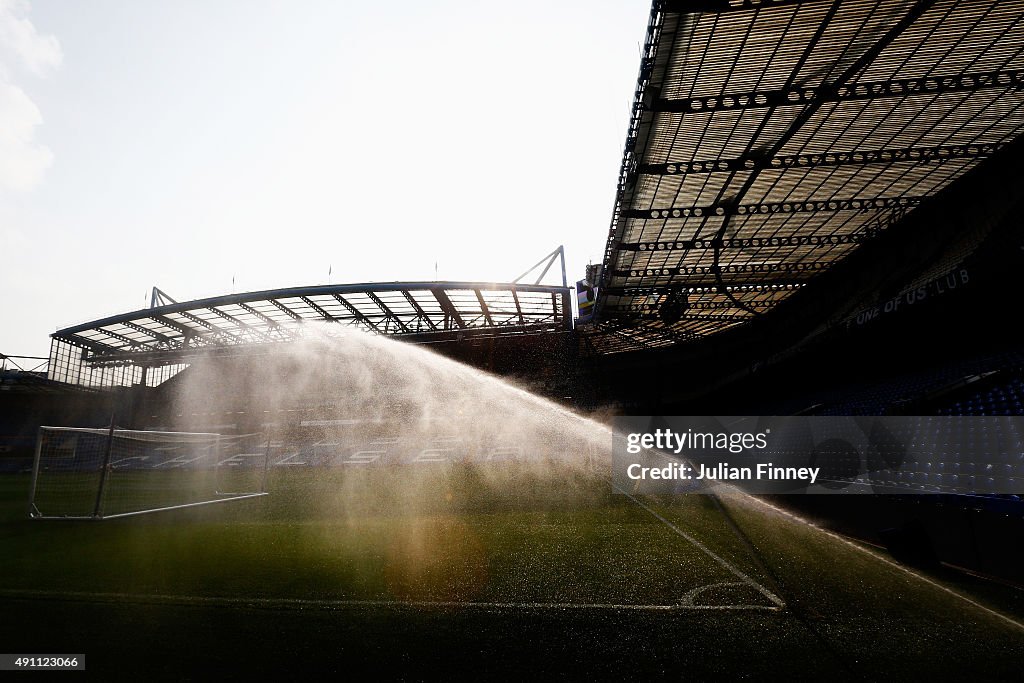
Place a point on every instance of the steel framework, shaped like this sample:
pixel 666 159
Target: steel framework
pixel 151 345
pixel 768 140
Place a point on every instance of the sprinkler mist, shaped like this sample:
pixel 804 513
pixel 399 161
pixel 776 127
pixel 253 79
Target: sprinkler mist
pixel 385 427
pixel 419 475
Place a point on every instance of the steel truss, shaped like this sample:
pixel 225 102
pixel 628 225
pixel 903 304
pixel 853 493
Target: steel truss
pixel 170 332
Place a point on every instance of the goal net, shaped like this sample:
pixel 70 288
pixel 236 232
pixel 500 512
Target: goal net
pixel 82 473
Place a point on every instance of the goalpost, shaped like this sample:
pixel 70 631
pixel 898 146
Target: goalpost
pixel 87 473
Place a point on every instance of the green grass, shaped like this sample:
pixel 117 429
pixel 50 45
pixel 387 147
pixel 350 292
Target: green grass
pixel 483 572
pixel 382 535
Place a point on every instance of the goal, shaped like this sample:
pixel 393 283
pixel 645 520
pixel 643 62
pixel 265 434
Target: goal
pixel 84 473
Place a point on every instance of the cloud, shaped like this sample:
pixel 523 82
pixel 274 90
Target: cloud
pixel 20 40
pixel 23 161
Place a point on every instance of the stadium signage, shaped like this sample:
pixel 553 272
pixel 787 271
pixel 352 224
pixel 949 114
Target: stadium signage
pixel 912 295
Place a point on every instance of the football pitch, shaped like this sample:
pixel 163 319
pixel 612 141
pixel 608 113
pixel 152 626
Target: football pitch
pixel 485 572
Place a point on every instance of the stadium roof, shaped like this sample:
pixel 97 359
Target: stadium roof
pixel 769 139
pixel 169 331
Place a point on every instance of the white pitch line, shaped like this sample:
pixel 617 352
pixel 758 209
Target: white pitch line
pixel 692 595
pixel 291 603
pixel 894 565
pixel 775 600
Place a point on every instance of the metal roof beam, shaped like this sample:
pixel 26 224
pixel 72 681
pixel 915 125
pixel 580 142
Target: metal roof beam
pixel 198 321
pixel 160 298
pixel 185 330
pixel 259 334
pixel 356 313
pixel 903 87
pixel 701 317
pixel 388 313
pixel 640 291
pixel 636 323
pixel 836 87
pixel 317 290
pixel 94 346
pixel 673 334
pixel 696 306
pixel 620 329
pixel 121 338
pixel 519 308
pixel 483 306
pixel 794 267
pixel 722 6
pixel 207 333
pixel 752 242
pixel 937 154
pixel 157 336
pixel 818 205
pixel 419 309
pixel 319 309
pixel 284 309
pixel 214 332
pixel 252 311
pixel 166 356
pixel 448 307
pixel 187 333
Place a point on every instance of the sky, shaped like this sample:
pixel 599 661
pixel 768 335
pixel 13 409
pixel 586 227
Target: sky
pixel 217 146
